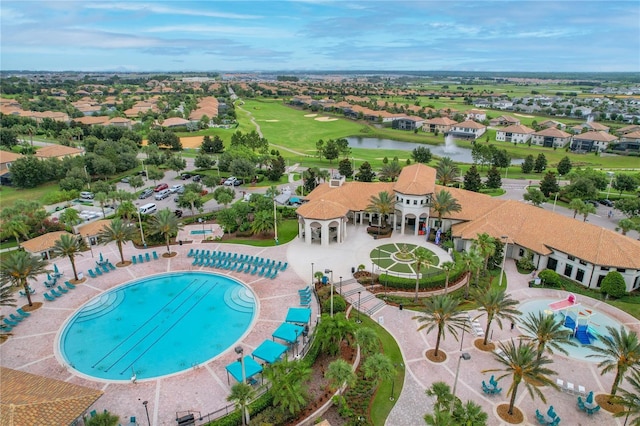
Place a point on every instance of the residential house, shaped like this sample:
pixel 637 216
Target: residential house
pixel 407 123
pixel 553 123
pixel 89 120
pixel 504 120
pixel 590 126
pixel 120 122
pixel 629 142
pixel 592 141
pixel 57 151
pixel 628 129
pixel 516 133
pixel 6 159
pixel 174 122
pixel 468 129
pixel 476 114
pixel 439 124
pixel 503 104
pixel 551 138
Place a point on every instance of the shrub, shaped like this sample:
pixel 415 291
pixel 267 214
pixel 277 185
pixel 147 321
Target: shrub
pixel 339 305
pixel 526 261
pixel 613 285
pixel 430 280
pixel 550 277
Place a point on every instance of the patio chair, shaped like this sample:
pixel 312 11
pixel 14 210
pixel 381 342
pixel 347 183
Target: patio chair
pixel 105 269
pixel 62 290
pixel 540 417
pixel 48 297
pixel 69 285
pixel 98 271
pixel 155 255
pixel 22 313
pixel 254 270
pixel 188 254
pixel 15 318
pixel 284 266
pixel 140 258
pixel 570 388
pixel 93 413
pixel 5 328
pixel 111 266
pixel 55 293
pixel 560 383
pixel 132 420
pixel 581 390
pixel 9 322
pixel 195 262
pixel 274 274
pixel 581 405
pixel 555 422
pixel 592 411
pixel 133 259
pixel 147 257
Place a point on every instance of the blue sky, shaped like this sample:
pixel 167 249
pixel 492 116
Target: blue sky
pixel 474 35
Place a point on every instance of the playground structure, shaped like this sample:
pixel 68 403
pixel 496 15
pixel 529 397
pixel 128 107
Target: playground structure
pixel 561 305
pixel 579 324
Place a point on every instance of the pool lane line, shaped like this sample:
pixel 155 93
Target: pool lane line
pixel 145 323
pixel 149 333
pixel 169 329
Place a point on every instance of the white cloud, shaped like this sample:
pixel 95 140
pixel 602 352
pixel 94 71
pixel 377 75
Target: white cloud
pixel 263 32
pixel 165 10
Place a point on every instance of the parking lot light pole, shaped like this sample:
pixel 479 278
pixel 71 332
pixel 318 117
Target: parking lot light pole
pixel 140 223
pixel 504 238
pixel 326 271
pixel 466 357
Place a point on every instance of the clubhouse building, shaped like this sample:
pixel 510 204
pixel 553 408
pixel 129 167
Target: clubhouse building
pixel 580 251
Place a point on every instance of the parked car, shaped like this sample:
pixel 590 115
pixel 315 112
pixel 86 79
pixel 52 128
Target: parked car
pixel 86 195
pixel 125 179
pixel 197 178
pixel 606 202
pixel 232 181
pixel 161 195
pixel 146 194
pixel 593 202
pixel 142 173
pixel 160 187
pixel 179 188
pixel 185 176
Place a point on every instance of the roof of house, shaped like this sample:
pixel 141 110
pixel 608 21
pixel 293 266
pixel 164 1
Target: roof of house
pixel 8 156
pixel 552 132
pixel 441 121
pixel 416 179
pixel 89 120
pixel 175 121
pixel 322 209
pixel 596 126
pixel 517 128
pixel 632 135
pixel 43 242
pixel 51 151
pixel 28 399
pixel 93 228
pixel 629 129
pixel 354 196
pixel 470 124
pixel 506 118
pixel 596 136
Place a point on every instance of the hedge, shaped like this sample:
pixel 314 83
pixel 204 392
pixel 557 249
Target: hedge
pixel 430 280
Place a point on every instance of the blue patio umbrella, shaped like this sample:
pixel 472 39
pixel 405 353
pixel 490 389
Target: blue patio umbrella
pixel 55 269
pixel 48 277
pixel 101 258
pixel 590 398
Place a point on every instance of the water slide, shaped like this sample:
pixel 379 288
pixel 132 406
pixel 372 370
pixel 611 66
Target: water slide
pixel 564 304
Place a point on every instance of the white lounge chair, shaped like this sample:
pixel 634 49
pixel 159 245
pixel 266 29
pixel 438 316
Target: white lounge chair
pixel 570 388
pixel 581 390
pixel 560 383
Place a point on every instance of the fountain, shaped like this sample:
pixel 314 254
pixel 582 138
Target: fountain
pixel 450 146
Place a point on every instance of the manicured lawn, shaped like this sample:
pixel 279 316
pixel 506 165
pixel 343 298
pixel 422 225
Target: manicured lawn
pixel 287 231
pixel 381 405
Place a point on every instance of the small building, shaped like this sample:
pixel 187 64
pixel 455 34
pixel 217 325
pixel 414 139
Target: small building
pixel 591 126
pixel 516 133
pixel 551 137
pixel 592 141
pixel 407 123
pixel 468 129
pixel 91 230
pixel 439 124
pixel 43 245
pixel 57 151
pixel 630 142
pixel 476 114
pixel 504 120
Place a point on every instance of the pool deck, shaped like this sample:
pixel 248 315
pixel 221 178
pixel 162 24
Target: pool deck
pixel 204 389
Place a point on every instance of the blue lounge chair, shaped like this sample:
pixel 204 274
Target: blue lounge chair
pixel 98 271
pixel 6 328
pixel 555 421
pixel 69 285
pixel 92 274
pixel 147 257
pixel 111 266
pixel 9 322
pixel 188 254
pixel 195 262
pixel 274 274
pixel 55 293
pixel 22 312
pixel 140 258
pixel 62 290
pixel 15 318
pixel 133 259
pixel 48 297
pixel 284 266
pixel 105 269
pixel 254 270
pixel 155 255
pixel 592 411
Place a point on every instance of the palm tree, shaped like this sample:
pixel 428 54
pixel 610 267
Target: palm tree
pixel 447 267
pixel 576 205
pixel 498 306
pixel 447 171
pixel 443 313
pixel 442 392
pixel 422 257
pixel 166 224
pixel 383 204
pixel 287 380
pixel 630 400
pixel 521 362
pixel 587 210
pixel 626 225
pixel 119 231
pixel 339 372
pixel 20 267
pixel 7 294
pixel 548 333
pixel 241 394
pixel 444 203
pixel 379 367
pixel 332 331
pixel 367 339
pixel 70 246
pixel 621 351
pixel 486 246
pixel 16 227
pixel 127 210
pixel 391 171
pixel 439 418
pixel 262 222
pixel 472 261
pixel 469 413
pixel 101 198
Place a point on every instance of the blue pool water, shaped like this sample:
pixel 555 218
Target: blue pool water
pixel 201 232
pixel 157 326
pixel 597 325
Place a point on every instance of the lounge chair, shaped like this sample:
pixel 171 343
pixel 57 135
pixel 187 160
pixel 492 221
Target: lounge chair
pixel 274 274
pixel 105 269
pixel 15 318
pixel 592 411
pixel 555 422
pixel 540 417
pixel 111 266
pixel 22 312
pixel 55 293
pixel 6 328
pixel 284 266
pixel 93 275
pixel 254 270
pixel 62 290
pixel 48 297
pixel 69 285
pixel 133 259
pixel 147 257
pixel 140 258
pixel 9 322
pixel 188 254
pixel 98 271
pixel 195 262
pixel 155 255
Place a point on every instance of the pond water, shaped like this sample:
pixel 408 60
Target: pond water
pixel 450 149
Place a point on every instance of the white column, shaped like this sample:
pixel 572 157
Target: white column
pixel 307 232
pixel 324 229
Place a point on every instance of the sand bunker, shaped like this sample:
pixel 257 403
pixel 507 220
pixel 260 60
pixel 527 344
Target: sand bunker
pixel 191 141
pixel 271 121
pixel 525 116
pixel 325 119
pixel 311 115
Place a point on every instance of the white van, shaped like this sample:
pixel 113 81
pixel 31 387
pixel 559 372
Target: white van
pixel 161 195
pixel 148 208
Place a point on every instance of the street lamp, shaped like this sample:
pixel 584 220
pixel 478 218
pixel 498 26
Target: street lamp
pixel 372 275
pixel 326 271
pixel 358 320
pixel 312 276
pixel 201 223
pixel 146 409
pixel 341 285
pixel 466 357
pixel 275 221
pixel 141 231
pixel 462 339
pixel 504 257
pixel 611 175
pixel 240 351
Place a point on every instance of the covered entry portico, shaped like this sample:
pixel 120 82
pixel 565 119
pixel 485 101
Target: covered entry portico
pixel 322 222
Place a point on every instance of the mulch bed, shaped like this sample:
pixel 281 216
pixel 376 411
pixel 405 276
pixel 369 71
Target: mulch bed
pixel 514 419
pixel 33 307
pixel 430 354
pixel 74 282
pixel 603 400
pixel 489 347
pixel 123 264
pixel 167 255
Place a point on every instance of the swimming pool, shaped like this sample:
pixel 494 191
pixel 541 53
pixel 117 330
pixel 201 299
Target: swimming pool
pixel 157 326
pixel 201 232
pixel 597 324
